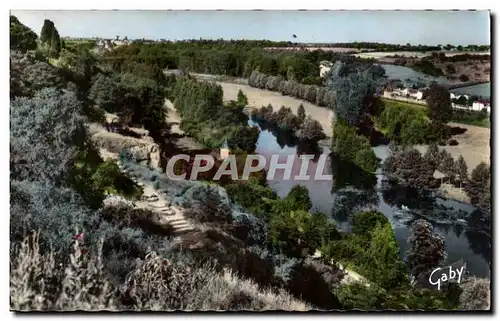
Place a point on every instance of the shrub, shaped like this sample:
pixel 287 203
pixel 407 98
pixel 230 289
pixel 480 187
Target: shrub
pixel 476 295
pixel 39 282
pixel 463 78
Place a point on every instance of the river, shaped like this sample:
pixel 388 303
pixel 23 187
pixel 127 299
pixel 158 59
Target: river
pixel 402 72
pixel 462 243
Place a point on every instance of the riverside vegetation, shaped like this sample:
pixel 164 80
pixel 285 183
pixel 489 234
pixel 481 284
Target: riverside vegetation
pixel 79 243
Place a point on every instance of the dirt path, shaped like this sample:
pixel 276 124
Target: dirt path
pixel 160 204
pixel 173 118
pixel 350 277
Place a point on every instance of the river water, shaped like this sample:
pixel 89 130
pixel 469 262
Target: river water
pixel 402 72
pixel 336 200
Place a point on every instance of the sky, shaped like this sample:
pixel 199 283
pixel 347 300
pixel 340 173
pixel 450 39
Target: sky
pixel 397 27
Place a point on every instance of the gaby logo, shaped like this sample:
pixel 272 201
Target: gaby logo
pixel 440 275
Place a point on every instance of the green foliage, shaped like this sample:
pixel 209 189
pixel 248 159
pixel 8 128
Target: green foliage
pixel 447 164
pixel 310 130
pixel 439 103
pixel 298 198
pixel 432 156
pixel 205 117
pixel 253 197
pixel 371 250
pixel 427 67
pixel 22 38
pixel 242 99
pixel 461 170
pixel 404 124
pixel 301 113
pixel 50 39
pixel 299 232
pixel 427 249
pixel 479 186
pixel 471 117
pixel 244 138
pixel 348 145
pixel 409 168
pixel 364 223
pixel 355 86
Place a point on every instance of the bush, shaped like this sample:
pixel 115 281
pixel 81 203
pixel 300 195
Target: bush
pixel 463 78
pixel 176 282
pixel 476 295
pixel 39 282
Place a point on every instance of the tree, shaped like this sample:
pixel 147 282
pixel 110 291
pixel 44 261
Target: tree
pixel 242 99
pixel 22 38
pixel 354 90
pixel 47 31
pixel 447 165
pixel 462 171
pixel 43 75
pixel 298 198
pixel 310 130
pixel 363 223
pixel 244 139
pixel 479 186
pixel 409 168
pixel 286 229
pixel 49 36
pixel 107 93
pixel 440 109
pixel 349 146
pixel 301 113
pixel 386 267
pixel 427 249
pixel 476 295
pixel 432 156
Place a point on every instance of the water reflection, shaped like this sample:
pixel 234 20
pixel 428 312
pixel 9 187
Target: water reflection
pixel 346 173
pixel 353 190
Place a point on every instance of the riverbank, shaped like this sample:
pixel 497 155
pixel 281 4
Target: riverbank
pixel 466 84
pixel 473 144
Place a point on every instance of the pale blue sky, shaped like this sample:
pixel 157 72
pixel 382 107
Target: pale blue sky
pixel 401 27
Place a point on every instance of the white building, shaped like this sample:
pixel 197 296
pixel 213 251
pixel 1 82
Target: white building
pixel 480 105
pixel 415 94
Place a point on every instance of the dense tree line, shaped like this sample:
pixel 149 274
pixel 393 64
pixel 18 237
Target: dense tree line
pixel 236 59
pixel 427 67
pixel 404 124
pixel 304 129
pixel 207 118
pixel 22 38
pixel 318 95
pixel 408 167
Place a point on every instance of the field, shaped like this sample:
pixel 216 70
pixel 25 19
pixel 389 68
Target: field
pixel 418 54
pixel 333 49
